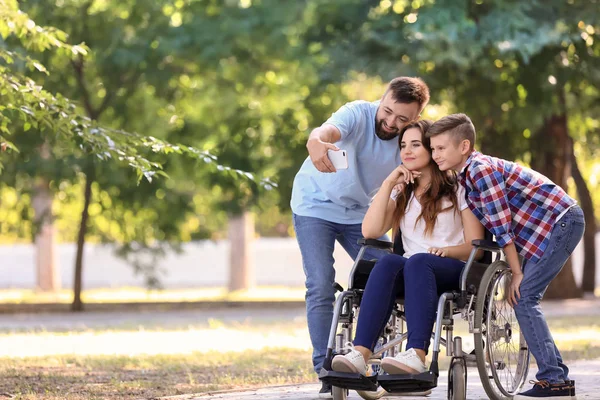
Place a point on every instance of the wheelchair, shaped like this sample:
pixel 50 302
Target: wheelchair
pixel 500 351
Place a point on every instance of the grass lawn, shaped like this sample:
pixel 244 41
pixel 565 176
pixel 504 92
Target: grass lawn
pixel 123 377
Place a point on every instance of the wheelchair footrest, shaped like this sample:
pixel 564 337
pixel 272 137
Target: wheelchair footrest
pixel 349 380
pixel 401 383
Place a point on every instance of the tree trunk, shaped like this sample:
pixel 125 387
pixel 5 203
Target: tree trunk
pixel 77 283
pixel 241 257
pixel 48 277
pixel 94 114
pixel 550 155
pixel 588 283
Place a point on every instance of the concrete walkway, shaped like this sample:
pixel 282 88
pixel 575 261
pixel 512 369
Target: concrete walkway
pixel 585 373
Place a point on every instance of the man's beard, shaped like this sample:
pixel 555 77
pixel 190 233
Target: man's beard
pixel 383 135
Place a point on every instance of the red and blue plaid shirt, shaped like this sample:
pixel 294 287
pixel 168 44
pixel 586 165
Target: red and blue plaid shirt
pixel 514 203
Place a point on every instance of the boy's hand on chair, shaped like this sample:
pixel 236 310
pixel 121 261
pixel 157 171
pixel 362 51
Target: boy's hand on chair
pixel 513 290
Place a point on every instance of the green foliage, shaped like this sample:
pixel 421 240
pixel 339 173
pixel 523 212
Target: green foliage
pixel 123 80
pixel 246 82
pixel 252 96
pixel 28 105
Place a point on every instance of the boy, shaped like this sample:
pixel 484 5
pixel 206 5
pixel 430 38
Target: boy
pixel 529 215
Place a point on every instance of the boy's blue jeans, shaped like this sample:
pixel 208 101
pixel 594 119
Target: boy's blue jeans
pixel 316 238
pixel 565 236
pixel 420 279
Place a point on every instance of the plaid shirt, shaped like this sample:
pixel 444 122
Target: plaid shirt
pixel 514 203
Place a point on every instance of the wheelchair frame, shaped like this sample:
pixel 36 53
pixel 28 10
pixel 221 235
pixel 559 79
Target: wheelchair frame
pixel 474 309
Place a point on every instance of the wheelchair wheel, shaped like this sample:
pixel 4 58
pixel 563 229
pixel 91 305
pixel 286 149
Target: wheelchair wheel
pixel 500 349
pixel 457 380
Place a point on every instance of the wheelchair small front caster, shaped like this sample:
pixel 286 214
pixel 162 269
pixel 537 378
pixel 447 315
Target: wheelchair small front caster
pixel 339 393
pixel 457 379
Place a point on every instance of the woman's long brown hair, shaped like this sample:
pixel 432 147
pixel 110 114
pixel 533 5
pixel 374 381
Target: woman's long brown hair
pixel 443 185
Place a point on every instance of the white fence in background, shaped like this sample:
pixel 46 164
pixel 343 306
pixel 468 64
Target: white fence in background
pixel 203 264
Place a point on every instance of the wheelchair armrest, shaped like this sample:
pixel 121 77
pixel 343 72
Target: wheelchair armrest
pixel 378 244
pixel 488 245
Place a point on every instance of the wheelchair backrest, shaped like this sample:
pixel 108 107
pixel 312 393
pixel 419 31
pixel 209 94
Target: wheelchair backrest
pixel 398 247
pixel 488 256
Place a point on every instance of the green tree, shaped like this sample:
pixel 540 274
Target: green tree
pixel 253 93
pixel 112 81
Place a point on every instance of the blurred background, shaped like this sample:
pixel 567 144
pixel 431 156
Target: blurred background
pixel 152 144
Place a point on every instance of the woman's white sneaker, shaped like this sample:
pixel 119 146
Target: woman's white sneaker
pixel 352 362
pixel 407 362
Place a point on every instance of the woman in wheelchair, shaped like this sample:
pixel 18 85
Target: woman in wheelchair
pixel 436 227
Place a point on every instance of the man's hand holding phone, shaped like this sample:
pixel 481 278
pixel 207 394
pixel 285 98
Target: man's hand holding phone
pixel 317 150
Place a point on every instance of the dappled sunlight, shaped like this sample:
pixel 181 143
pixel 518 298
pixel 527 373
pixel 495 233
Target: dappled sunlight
pixel 149 342
pixel 268 293
pixel 138 294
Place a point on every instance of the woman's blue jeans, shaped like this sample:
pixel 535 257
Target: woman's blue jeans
pixel 420 279
pixel 316 238
pixel 565 236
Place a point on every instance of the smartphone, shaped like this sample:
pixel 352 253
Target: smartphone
pixel 339 158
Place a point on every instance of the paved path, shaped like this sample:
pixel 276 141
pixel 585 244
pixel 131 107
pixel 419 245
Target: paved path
pixel 152 332
pixel 184 331
pixel 173 319
pixel 169 319
pixel 585 373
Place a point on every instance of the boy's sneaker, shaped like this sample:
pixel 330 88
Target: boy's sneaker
pixel 407 362
pixel 325 392
pixel 546 390
pixel 352 362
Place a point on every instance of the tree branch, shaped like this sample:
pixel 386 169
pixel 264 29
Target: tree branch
pixel 79 75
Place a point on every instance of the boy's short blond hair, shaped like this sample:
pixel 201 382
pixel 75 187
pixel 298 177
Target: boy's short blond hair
pixel 458 126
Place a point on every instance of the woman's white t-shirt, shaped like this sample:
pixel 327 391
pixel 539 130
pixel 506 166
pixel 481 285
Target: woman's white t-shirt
pixel 448 230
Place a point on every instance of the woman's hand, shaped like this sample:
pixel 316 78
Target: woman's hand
pixel 401 176
pixel 438 251
pixel 513 289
